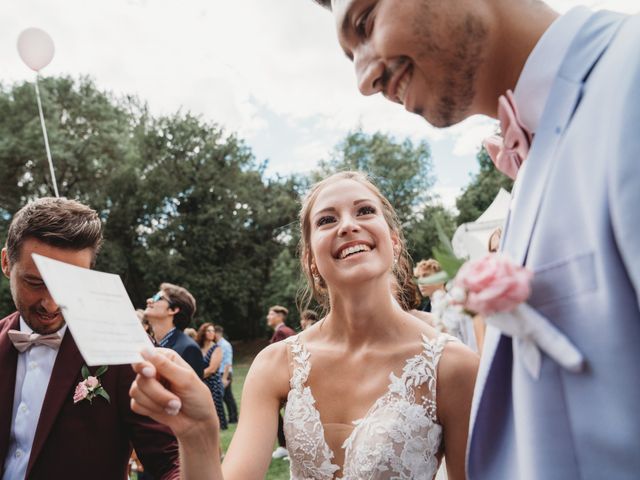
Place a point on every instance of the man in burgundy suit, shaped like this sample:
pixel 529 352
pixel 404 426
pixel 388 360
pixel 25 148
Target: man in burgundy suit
pixel 275 319
pixel 44 433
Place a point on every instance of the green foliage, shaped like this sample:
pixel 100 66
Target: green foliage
pixel 182 200
pixel 402 170
pixel 482 190
pixel 422 233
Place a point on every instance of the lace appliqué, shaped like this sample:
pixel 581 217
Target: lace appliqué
pixel 308 451
pixel 398 438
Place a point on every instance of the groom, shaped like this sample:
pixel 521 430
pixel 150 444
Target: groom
pixel 47 430
pixel 572 142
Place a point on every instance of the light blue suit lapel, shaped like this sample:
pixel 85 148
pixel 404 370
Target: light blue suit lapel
pixel 584 52
pixel 563 100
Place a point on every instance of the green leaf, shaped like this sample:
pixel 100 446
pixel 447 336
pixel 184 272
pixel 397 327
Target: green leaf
pixel 101 370
pixel 85 372
pixel 440 277
pixel 445 243
pixel 448 261
pixel 103 393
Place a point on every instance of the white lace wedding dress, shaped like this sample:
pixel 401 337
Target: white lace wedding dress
pixel 398 438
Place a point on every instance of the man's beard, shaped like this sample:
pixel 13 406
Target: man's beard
pixel 459 60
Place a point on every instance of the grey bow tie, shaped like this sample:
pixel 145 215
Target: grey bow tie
pixel 23 340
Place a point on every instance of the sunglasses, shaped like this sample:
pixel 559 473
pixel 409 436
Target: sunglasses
pixel 158 296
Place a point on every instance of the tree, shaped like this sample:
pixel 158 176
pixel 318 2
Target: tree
pixel 182 200
pixel 482 189
pixel 422 235
pixel 402 170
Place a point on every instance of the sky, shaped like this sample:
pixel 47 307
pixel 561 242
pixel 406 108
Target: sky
pixel 269 70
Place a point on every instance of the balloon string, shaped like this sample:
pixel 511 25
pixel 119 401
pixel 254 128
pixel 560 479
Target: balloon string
pixel 46 140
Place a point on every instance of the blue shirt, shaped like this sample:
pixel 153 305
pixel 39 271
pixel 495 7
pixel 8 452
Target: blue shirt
pixel 227 355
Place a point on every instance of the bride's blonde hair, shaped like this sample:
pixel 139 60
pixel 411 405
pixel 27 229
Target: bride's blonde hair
pixel 315 287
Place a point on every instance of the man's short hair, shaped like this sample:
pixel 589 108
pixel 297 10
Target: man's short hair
pixel 58 222
pixel 181 298
pixel 280 309
pixel 218 329
pixel 309 315
pixel 427 267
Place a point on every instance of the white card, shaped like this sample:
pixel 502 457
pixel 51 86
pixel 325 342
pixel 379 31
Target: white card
pixel 98 310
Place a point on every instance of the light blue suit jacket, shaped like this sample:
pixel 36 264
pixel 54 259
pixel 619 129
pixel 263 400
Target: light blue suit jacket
pixel 577 226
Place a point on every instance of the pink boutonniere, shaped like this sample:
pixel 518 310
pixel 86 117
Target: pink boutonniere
pixel 90 387
pixel 498 289
pixel 492 284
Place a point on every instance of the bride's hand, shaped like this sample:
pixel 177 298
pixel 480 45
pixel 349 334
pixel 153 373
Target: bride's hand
pixel 169 391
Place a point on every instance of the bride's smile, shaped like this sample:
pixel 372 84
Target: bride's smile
pixel 350 239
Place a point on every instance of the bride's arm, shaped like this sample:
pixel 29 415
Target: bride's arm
pixel 164 380
pixel 456 379
pixel 267 382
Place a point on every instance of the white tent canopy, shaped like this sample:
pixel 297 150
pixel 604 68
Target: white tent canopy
pixel 471 239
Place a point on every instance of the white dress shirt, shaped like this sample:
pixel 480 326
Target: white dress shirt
pixel 32 379
pixel 539 72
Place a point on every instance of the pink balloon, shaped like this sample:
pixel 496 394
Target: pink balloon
pixel 35 47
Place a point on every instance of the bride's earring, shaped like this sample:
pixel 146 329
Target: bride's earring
pixel 317 279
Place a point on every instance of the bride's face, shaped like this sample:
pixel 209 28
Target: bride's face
pixel 350 239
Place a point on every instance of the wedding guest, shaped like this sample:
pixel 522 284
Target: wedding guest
pixel 169 312
pixel 275 320
pixel 308 318
pixel 424 269
pixel 565 89
pixel 191 333
pixel 479 325
pixel 494 240
pixel 212 354
pixel 408 387
pixel 50 426
pixel 226 372
pixel 411 296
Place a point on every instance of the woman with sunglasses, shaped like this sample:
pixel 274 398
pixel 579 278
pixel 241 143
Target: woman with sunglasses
pixel 372 392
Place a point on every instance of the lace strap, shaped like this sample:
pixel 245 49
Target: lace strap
pixel 432 354
pixel 300 363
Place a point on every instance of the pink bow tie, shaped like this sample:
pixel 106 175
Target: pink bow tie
pixel 23 340
pixel 509 151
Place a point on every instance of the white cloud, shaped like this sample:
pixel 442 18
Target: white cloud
pixel 270 70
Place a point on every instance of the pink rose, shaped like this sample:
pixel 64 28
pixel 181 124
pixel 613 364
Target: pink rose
pixel 81 392
pixel 493 284
pixel 91 382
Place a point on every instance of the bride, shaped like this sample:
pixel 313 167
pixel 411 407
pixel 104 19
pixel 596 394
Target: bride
pixel 371 392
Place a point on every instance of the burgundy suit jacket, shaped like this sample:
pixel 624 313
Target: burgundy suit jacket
pixel 86 440
pixel 281 333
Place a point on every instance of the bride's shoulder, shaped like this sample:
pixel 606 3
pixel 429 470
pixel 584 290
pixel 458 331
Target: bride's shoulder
pixel 457 359
pixel 271 366
pixel 274 355
pixel 457 372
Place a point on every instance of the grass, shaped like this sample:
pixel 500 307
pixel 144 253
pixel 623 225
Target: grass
pixel 279 469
